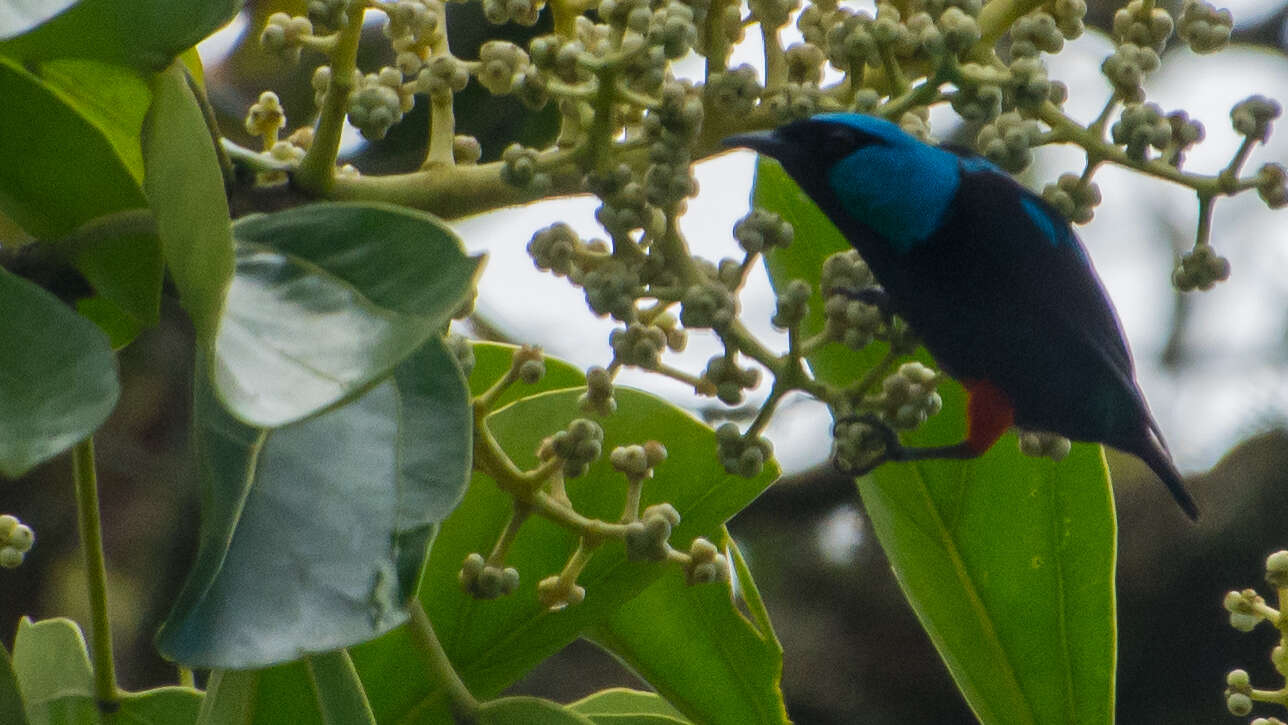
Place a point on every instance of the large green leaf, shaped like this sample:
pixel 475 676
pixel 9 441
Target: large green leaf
pixel 700 652
pixel 230 697
pixel 622 706
pixel 327 299
pixel 66 163
pixel 52 667
pixel 58 378
pixel 338 690
pixel 314 534
pixel 1008 563
pixel 492 643
pixel 185 188
pixel 529 711
pixel 142 34
pixel 1007 560
pixel 492 361
pixel 11 710
pixel 79 163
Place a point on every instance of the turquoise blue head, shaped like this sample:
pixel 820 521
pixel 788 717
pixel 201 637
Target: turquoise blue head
pixel 885 178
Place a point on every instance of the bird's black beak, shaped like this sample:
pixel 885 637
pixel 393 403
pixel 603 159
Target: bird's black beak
pixel 768 143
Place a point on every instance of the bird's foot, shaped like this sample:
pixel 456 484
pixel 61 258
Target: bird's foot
pixel 855 436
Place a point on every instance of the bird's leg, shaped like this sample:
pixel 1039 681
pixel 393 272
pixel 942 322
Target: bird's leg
pixel 896 451
pixel 988 415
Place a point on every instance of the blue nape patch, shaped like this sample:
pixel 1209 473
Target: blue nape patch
pixel 900 188
pixel 976 164
pixel 1056 232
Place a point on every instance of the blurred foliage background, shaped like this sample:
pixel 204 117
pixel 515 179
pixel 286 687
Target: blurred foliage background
pixel 854 651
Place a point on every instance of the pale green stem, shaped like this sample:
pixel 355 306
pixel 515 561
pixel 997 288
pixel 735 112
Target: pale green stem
pixel 442 131
pixel 1204 234
pixel 518 514
pixel 316 171
pixel 463 704
pixel 91 534
pixel 775 58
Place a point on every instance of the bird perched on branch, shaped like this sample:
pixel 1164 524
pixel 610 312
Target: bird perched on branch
pixel 989 275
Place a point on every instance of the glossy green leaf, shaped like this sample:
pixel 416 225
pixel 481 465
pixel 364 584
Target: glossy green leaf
pixel 529 711
pixel 280 695
pixel 126 272
pixel 492 643
pixel 230 698
pixel 314 534
pixel 700 652
pixel 1008 563
pixel 327 299
pixel 52 668
pixel 1007 560
pixel 11 710
pixel 492 361
pixel 142 34
pixel 338 690
pixel 50 659
pixel 185 189
pixel 159 706
pixel 59 379
pixel 113 98
pixel 64 163
pixel 78 165
pixel 616 702
pixel 53 671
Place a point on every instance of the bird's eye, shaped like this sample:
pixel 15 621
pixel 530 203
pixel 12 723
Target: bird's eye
pixel 839 141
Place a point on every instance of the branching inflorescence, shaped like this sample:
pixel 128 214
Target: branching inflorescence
pixel 630 131
pixel 1247 610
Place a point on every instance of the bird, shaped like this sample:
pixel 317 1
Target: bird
pixel 991 278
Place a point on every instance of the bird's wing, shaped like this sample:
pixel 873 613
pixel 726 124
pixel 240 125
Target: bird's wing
pixel 1050 269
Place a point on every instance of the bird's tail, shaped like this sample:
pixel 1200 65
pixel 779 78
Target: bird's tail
pixel 1153 452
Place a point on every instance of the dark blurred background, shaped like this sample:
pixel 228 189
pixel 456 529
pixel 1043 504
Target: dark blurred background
pixel 854 652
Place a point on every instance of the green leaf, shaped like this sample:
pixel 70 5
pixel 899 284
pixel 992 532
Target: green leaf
pixel 79 163
pixel 492 643
pixel 492 361
pixel 230 698
pixel 124 267
pixel 64 161
pixel 57 386
pixel 142 34
pixel 159 706
pixel 327 299
pixel 529 711
pixel 1009 564
pixel 53 671
pixel 50 658
pixel 622 706
pixel 11 710
pixel 314 534
pixel 1007 560
pixel 339 693
pixel 185 188
pixel 112 98
pixel 700 652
